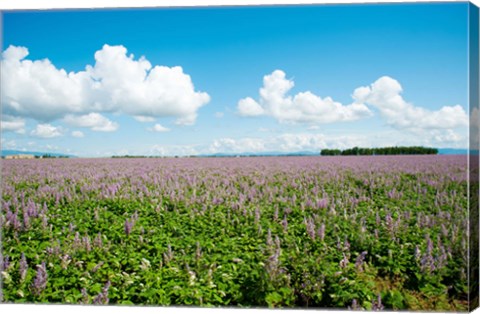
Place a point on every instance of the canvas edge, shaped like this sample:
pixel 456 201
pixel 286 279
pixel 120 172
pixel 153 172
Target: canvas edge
pixel 473 95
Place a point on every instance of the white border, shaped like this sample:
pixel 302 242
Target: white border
pixel 79 4
pixel 72 4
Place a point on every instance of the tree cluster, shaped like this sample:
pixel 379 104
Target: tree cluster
pixel 396 150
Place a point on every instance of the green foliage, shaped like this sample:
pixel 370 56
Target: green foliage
pixel 270 251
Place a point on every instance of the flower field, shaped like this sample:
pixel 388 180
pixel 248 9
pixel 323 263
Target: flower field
pixel 376 232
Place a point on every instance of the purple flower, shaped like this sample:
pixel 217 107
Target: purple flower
pixel 285 223
pixel 257 215
pixel 346 244
pixel 97 267
pixel 84 296
pixel 360 260
pixel 5 263
pixel 310 226
pixel 322 203
pixel 102 297
pixel 40 281
pixel 26 220
pixel 355 305
pixel 76 241
pixel 128 227
pixel 321 232
pixel 86 243
pixel 168 256
pixel 377 305
pixel 417 252
pixel 98 242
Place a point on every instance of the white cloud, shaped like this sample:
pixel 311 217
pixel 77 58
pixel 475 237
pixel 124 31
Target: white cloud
pixel 301 108
pixel 77 134
pixel 262 129
pixel 248 107
pixel 13 124
pixel 285 143
pixel 46 131
pixel 219 115
pixel 144 118
pixel 173 150
pixel 385 95
pixel 8 144
pixel 115 83
pixel 159 128
pixel 94 121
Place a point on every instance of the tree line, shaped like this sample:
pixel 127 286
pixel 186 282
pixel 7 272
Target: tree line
pixel 395 150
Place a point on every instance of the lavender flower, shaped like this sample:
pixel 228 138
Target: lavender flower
pixel 285 223
pixel 5 263
pixel 417 252
pixel 346 244
pixel 84 296
pixel 76 241
pixel 86 243
pixel 40 281
pixel 257 215
pixel 98 242
pixel 102 297
pixel 26 220
pixel 355 305
pixel 97 267
pixel 377 305
pixel 168 256
pixel 128 227
pixel 310 226
pixel 322 203
pixel 359 261
pixel 321 232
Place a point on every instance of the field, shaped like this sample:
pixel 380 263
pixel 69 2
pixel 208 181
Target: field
pixel 339 232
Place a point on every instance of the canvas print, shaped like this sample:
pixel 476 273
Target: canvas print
pixel 319 156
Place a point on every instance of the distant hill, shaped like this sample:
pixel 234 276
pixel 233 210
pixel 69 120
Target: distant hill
pixel 20 152
pixel 452 151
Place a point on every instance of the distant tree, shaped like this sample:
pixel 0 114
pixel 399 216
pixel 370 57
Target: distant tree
pixel 395 150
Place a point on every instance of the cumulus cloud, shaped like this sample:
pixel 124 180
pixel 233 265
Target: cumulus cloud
pixel 13 124
pixel 144 118
pixel 314 142
pixel 159 128
pixel 94 121
pixel 385 95
pixel 115 83
pixel 300 108
pixel 77 134
pixel 46 131
pixel 8 144
pixel 173 150
pixel 285 143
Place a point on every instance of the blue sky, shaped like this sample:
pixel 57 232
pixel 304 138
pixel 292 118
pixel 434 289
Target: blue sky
pixel 243 79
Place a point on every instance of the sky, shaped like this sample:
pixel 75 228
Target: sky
pixel 205 80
